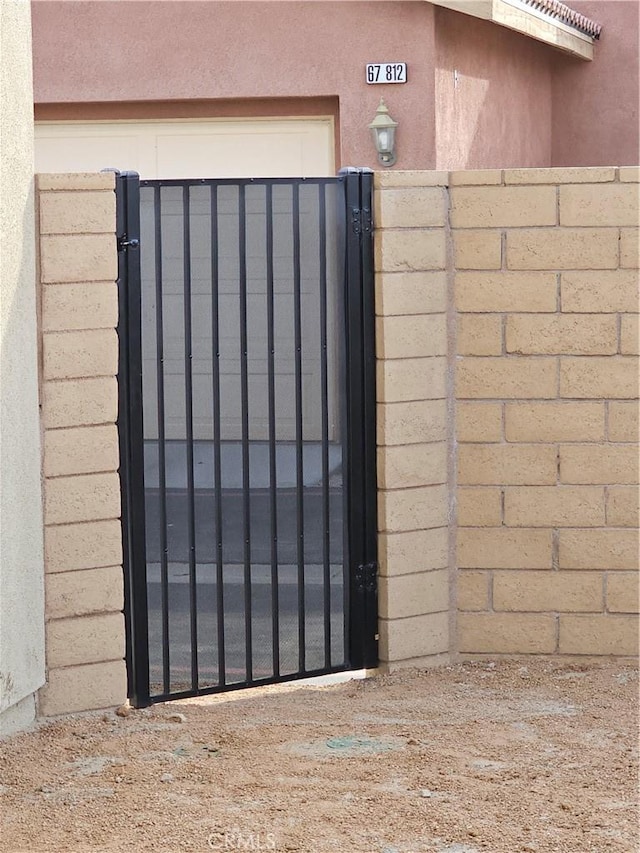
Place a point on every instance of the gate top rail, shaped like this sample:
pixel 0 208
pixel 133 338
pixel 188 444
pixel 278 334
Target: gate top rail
pixel 206 182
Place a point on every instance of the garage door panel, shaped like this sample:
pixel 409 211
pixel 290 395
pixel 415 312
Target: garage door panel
pixel 215 149
pixel 66 151
pixel 195 154
pixel 205 148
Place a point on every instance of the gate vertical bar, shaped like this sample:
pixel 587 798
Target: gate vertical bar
pixel 297 312
pixel 324 405
pixel 131 436
pixel 188 380
pixel 162 460
pixel 217 456
pixel 361 442
pixel 273 484
pixel 244 402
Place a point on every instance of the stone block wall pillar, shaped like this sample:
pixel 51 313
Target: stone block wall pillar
pixel 411 340
pixel 85 634
pixel 546 292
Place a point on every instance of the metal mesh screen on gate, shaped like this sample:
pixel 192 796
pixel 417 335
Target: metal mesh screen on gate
pixel 247 417
pixel 242 382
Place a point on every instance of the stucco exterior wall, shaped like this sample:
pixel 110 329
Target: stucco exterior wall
pixel 85 635
pixel 493 95
pixel 163 54
pixel 514 102
pixel 595 104
pixel 21 562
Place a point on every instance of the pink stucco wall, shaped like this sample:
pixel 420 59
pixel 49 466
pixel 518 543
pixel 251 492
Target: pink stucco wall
pixel 109 51
pixel 595 105
pixel 513 102
pixel 493 95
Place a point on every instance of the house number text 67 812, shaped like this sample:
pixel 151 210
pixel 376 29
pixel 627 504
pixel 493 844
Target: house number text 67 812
pixel 387 72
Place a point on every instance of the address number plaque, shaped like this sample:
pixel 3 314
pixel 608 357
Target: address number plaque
pixel 386 72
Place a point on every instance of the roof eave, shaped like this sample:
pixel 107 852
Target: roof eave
pixel 527 20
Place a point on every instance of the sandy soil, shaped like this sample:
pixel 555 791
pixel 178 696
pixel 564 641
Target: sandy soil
pixel 532 755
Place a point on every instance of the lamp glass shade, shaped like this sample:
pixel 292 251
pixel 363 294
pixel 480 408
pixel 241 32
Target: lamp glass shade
pixel 384 139
pixel 383 129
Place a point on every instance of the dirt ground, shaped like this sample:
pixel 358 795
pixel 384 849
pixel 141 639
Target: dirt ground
pixel 528 755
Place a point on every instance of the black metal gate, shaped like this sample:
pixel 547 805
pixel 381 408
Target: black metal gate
pixel 247 431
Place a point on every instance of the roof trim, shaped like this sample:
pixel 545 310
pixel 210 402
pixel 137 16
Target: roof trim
pixel 556 9
pixel 548 21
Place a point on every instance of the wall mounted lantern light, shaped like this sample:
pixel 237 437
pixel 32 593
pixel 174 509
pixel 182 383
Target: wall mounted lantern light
pixel 383 129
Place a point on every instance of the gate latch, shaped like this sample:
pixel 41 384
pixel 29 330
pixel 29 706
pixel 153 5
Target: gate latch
pixel 366 577
pixel 123 243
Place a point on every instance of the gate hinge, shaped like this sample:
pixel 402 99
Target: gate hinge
pixel 366 577
pixel 124 243
pixel 361 220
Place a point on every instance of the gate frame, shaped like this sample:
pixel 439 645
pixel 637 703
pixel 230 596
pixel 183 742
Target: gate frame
pixel 356 224
pixel 131 437
pixel 361 419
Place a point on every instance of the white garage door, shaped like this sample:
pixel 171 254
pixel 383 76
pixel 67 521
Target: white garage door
pixel 215 148
pixel 210 149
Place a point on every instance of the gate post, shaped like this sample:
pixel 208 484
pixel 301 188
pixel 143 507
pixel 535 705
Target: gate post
pixel 361 420
pixel 131 437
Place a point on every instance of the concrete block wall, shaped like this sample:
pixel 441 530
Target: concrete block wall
pixel 412 345
pixel 546 293
pixel 529 462
pixel 85 635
